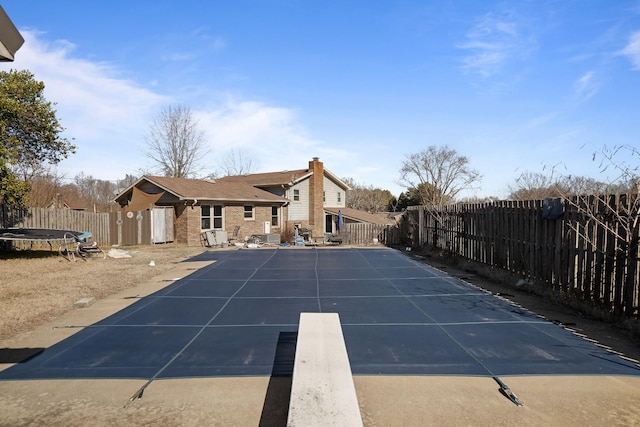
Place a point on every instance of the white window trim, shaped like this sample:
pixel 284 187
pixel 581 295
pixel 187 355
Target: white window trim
pixel 203 217
pixel 213 217
pixel 253 213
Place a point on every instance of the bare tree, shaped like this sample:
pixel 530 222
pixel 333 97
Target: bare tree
pixel 125 182
pixel 97 194
pixel 538 186
pixel 175 143
pixel 367 198
pixel 44 186
pixel 533 186
pixel 439 173
pixel 613 218
pixel 236 163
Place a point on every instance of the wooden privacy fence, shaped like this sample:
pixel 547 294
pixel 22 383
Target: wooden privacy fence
pixel 140 228
pixel 61 219
pixel 583 246
pixel 363 234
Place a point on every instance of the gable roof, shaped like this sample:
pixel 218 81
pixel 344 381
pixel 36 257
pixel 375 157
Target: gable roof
pixel 69 201
pixel 200 189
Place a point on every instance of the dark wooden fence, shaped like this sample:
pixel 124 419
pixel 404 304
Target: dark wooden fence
pixel 586 247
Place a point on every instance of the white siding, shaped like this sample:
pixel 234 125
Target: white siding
pixel 299 210
pixel 331 190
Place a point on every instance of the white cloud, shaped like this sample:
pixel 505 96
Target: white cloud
pixel 586 86
pixel 105 114
pixel 92 98
pixel 214 42
pixel 272 135
pixel 192 46
pixel 491 43
pixel 218 43
pixel 632 50
pixel 109 115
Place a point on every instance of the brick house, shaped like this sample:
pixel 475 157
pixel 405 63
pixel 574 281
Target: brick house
pixel 259 203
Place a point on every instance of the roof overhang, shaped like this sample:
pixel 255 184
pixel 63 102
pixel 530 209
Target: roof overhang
pixel 337 180
pixel 300 178
pixel 10 38
pixel 237 200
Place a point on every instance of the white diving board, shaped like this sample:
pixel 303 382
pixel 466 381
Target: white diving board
pixel 322 389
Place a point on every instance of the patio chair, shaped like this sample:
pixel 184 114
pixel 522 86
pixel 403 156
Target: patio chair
pixel 208 239
pixel 332 239
pixel 234 235
pixel 73 245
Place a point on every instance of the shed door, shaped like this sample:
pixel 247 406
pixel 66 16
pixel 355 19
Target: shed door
pixel 162 225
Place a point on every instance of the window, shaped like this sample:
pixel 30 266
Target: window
pixel 217 217
pixel 274 216
pixel 248 212
pixel 211 217
pixel 296 195
pixel 339 197
pixel 205 217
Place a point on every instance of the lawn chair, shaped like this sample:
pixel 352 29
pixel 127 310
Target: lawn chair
pixel 208 239
pixel 332 239
pixel 73 245
pixel 234 235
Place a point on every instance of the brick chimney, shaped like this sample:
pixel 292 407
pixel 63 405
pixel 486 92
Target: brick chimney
pixel 316 198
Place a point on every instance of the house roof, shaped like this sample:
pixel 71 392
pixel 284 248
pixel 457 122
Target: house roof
pixel 360 216
pixel 269 178
pixel 69 201
pixel 200 189
pixel 286 177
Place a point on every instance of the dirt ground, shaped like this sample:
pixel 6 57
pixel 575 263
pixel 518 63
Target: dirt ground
pixel 39 290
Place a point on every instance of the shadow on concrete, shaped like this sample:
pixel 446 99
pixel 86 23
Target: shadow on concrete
pixel 276 403
pixel 18 355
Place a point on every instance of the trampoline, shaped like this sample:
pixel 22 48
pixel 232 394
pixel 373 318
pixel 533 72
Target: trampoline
pixel 239 317
pixel 45 235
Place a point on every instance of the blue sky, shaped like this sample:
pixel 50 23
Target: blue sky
pixel 513 85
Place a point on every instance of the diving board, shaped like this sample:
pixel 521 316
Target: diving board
pixel 322 390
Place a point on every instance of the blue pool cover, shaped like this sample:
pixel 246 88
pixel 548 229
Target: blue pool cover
pixel 239 316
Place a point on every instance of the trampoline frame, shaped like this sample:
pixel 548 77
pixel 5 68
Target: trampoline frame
pixel 42 235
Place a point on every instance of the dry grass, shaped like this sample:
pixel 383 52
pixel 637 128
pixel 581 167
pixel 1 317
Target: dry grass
pixel 38 286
